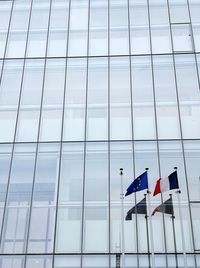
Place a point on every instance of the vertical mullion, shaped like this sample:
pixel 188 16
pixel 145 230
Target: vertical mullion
pixel 156 124
pixel 85 139
pixel 109 146
pixel 132 126
pixel 62 133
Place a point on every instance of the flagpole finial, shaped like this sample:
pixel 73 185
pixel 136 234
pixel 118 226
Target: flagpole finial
pixel 146 168
pixel 121 171
pixel 175 168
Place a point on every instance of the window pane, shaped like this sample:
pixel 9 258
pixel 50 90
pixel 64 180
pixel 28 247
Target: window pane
pixel 39 262
pixel 67 261
pixel 18 201
pixel 12 261
pixel 166 99
pixel 142 99
pixel 18 29
pixel 52 105
pixel 178 11
pixel 38 29
pixel 119 42
pixel 75 101
pixel 97 102
pixel 68 235
pixel 120 105
pixel 9 98
pixel 182 37
pixel 189 96
pixel 5 12
pixel 57 40
pixel 41 237
pixel 78 28
pixel 29 112
pixel 98 43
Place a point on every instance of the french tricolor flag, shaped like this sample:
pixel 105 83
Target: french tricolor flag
pixel 166 184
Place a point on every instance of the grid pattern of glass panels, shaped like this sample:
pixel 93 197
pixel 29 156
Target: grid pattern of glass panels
pixel 87 87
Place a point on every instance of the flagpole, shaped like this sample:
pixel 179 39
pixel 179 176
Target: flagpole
pixel 122 218
pixel 150 227
pixel 182 228
pixel 174 236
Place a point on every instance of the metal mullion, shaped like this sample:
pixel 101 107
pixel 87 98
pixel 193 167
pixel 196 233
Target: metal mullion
pixel 156 125
pixel 132 126
pixel 37 145
pixel 62 134
pixel 17 116
pixel 181 132
pixel 85 139
pixel 109 146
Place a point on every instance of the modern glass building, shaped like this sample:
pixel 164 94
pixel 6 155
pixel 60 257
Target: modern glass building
pixel 88 87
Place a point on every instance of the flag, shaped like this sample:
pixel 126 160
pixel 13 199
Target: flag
pixel 139 184
pixel 139 208
pixel 166 207
pixel 166 184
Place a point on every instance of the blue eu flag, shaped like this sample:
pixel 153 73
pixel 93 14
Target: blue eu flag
pixel 139 184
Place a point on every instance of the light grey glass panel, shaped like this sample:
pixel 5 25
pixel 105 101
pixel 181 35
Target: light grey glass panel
pixel 9 98
pixel 58 28
pixel 78 28
pixel 146 156
pixel 189 95
pixel 12 261
pixel 5 12
pixel 18 29
pixel 30 101
pixel 121 155
pixel 190 261
pixel 160 30
pixel 52 105
pixel 96 198
pixel 195 18
pixel 95 218
pixel 97 100
pixel 39 262
pixel 119 38
pixel 139 26
pixel 38 28
pixel 96 172
pixel 196 224
pixel 192 157
pixel 5 157
pixel 182 38
pixel 98 43
pixel 95 261
pixel 166 99
pixel 120 99
pixel 68 234
pixel 142 99
pixel 179 11
pixel 67 261
pixel 18 201
pixel 41 237
pixel 75 101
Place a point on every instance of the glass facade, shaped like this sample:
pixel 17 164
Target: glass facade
pixel 87 87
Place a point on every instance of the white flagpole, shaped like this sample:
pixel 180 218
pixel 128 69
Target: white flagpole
pixel 150 228
pixel 182 228
pixel 122 219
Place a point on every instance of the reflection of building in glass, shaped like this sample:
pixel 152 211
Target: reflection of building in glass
pixel 87 87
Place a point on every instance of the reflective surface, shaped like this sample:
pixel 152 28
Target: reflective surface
pixel 87 87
